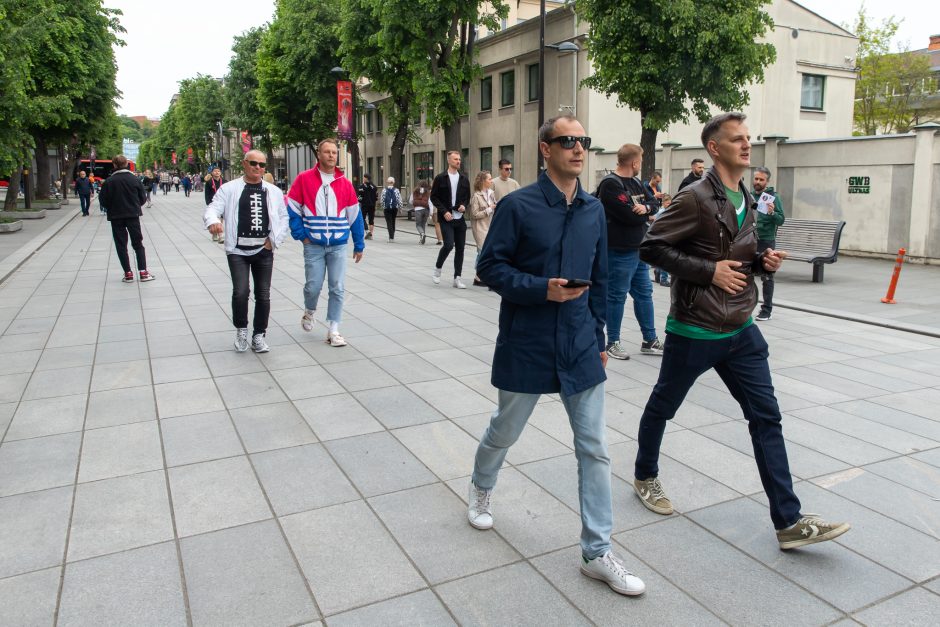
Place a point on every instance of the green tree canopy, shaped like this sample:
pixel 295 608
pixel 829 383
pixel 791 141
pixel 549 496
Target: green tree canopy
pixel 669 58
pixel 243 107
pixel 198 111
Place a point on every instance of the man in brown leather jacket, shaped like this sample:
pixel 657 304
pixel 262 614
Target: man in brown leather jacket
pixel 707 240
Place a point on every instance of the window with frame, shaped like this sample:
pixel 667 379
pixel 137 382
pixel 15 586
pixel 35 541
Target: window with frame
pixel 486 93
pixel 369 128
pixel 813 92
pixel 378 121
pixel 533 71
pixel 369 169
pixel 507 88
pixel 464 160
pixel 417 118
pixel 486 159
pixel 508 153
pixel 423 166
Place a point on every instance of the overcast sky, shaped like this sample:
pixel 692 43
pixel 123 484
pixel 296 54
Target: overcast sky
pixel 170 40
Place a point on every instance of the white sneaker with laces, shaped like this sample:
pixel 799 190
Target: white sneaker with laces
pixel 258 344
pixel 479 512
pixel 436 277
pixel 333 338
pixel 459 284
pixel 241 340
pixel 609 569
pixel 306 322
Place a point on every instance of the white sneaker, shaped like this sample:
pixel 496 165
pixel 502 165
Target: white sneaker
pixel 479 512
pixel 436 277
pixel 459 284
pixel 258 344
pixel 306 322
pixel 609 569
pixel 335 339
pixel 241 340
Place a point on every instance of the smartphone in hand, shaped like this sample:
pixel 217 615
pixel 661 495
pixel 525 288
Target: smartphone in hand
pixel 572 283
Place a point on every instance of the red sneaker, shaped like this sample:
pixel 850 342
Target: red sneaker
pixel 145 276
pixel 128 277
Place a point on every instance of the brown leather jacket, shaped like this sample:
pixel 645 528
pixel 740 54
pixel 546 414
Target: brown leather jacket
pixel 699 229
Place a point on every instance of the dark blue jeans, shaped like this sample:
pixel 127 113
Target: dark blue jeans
pixel 741 362
pixel 261 267
pixel 84 200
pixel 767 280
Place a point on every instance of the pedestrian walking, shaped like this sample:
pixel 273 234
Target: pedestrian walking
pixel 482 205
pixel 368 196
pixel 253 212
pixel 504 183
pixel 187 184
pixel 420 200
pixel 708 242
pixel 147 182
pixel 770 217
pixel 214 182
pixel 176 182
pixel 391 204
pixel 551 336
pixel 694 175
pixel 450 195
pixel 324 213
pixel 165 182
pixel 123 195
pixel 84 191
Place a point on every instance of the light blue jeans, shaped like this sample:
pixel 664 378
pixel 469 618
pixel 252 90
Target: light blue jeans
pixel 329 261
pixel 627 274
pixel 586 414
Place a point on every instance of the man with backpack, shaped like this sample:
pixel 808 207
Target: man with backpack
pixel 391 203
pixel 623 197
pixel 368 195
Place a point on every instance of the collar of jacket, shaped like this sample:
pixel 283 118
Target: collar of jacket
pixel 554 196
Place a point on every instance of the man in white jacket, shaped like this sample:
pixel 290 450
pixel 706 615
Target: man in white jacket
pixel 255 224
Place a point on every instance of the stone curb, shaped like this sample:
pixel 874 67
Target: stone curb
pixel 9 265
pixel 872 320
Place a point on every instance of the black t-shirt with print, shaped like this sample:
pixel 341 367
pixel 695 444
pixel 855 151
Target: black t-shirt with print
pixel 253 221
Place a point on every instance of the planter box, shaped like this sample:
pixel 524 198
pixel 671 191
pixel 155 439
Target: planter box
pixel 35 214
pixel 10 227
pixel 52 204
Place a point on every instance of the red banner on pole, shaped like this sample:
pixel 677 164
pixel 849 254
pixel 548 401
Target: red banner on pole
pixel 174 157
pixel 246 141
pixel 189 155
pixel 344 109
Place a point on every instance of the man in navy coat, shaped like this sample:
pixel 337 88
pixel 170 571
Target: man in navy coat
pixel 551 336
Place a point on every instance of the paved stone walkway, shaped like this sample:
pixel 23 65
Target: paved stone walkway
pixel 150 475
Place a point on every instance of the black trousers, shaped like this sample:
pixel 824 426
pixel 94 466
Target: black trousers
pixel 368 215
pixel 455 236
pixel 767 280
pixel 121 229
pixel 261 266
pixel 84 200
pixel 390 218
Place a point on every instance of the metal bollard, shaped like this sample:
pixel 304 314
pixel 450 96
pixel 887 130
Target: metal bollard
pixel 889 297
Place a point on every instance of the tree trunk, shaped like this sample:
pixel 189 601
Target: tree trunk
pixel 9 203
pixel 452 140
pixel 43 179
pixel 63 174
pixel 71 158
pixel 396 160
pixel 648 144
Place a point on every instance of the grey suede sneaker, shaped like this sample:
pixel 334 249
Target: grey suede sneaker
pixel 652 495
pixel 810 529
pixel 617 350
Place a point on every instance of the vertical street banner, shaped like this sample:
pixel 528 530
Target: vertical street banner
pixel 344 110
pixel 174 157
pixel 189 156
pixel 246 141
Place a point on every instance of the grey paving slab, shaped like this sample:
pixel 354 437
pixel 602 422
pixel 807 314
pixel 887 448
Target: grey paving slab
pixel 552 418
pixel 892 417
pixel 917 607
pixel 290 356
pixel 397 406
pixel 199 438
pixel 38 463
pixel 924 402
pixel 662 603
pixel 20 362
pixel 430 522
pixel 338 416
pixel 409 368
pixel 23 342
pixel 109 408
pixel 721 578
pixel 527 516
pixel 870 530
pixel 441 446
pixel 911 473
pixel 244 576
pixel 215 495
pixel 181 345
pixel 12 386
pixel 452 398
pixel 48 416
pixel 246 390
pixel 306 382
pixel 867 430
pixel 843 447
pixel 180 368
pixel 894 500
pixel 932 457
pixel 418 608
pixel 513 595
pixel 59 382
pixel 271 426
pixel 124 374
pixel 140 587
pixel 533 444
pixel 115 352
pixel 820 568
pixel 345 536
pixel 33 528
pixel 300 478
pixel 360 375
pixel 66 357
pixel 120 450
pixel 119 514
pixel 724 464
pixel 225 363
pixel 187 397
pixel 378 463
pixel 30 599
pixel 6 416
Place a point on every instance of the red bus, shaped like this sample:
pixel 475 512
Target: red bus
pixel 103 167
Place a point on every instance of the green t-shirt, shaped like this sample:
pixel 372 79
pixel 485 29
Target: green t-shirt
pixel 698 333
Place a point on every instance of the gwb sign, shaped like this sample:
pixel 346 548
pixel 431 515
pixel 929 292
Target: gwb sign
pixel 859 185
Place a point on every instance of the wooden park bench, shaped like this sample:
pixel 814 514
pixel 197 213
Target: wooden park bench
pixel 812 241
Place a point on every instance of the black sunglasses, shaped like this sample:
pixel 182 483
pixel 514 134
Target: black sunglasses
pixel 568 141
pixel 258 164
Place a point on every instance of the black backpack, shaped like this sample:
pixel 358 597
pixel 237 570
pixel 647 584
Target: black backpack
pixel 610 176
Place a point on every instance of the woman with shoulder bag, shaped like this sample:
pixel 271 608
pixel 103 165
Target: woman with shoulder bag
pixel 420 201
pixel 482 205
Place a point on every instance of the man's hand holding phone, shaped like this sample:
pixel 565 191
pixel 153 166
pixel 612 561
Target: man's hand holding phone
pixel 562 290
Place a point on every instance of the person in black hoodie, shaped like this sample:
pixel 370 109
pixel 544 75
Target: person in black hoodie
pixel 368 195
pixel 122 194
pixel 628 211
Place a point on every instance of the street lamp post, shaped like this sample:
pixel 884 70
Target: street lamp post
pixel 353 144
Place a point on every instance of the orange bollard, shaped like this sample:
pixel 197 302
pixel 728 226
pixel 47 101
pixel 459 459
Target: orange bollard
pixel 889 297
